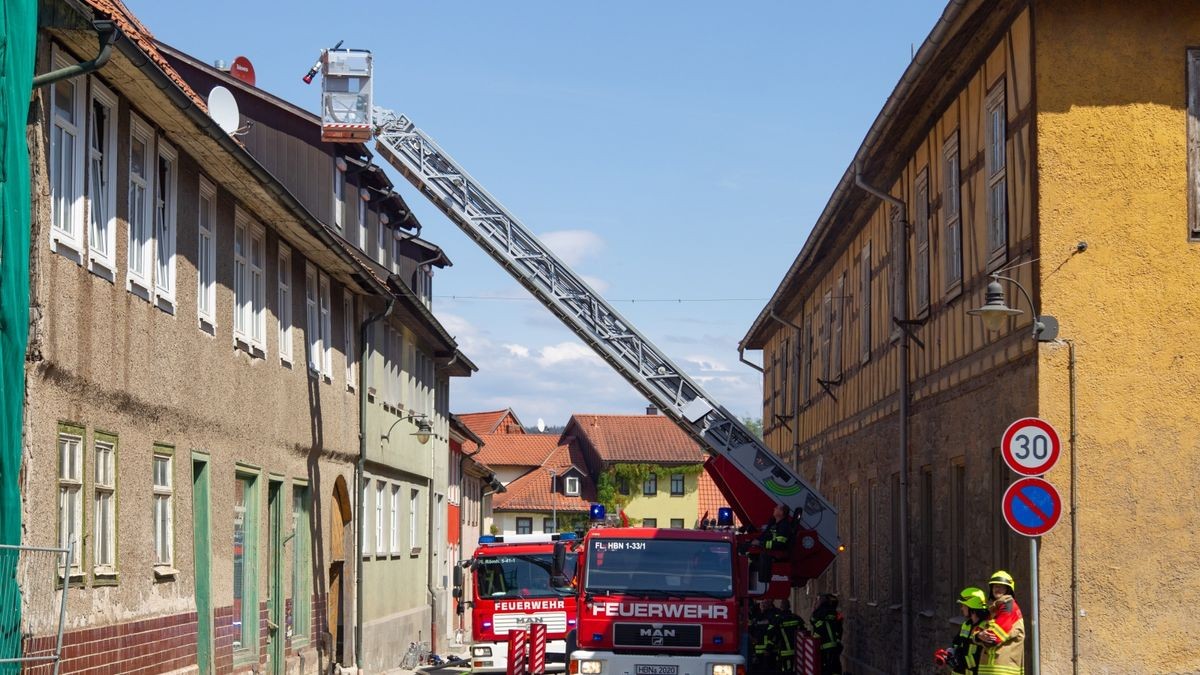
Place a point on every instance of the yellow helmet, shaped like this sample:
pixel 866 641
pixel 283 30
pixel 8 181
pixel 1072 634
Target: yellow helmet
pixel 973 598
pixel 1004 579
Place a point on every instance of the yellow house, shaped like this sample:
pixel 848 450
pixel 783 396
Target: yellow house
pixel 1057 146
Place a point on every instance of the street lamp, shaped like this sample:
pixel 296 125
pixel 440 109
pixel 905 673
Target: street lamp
pixel 424 429
pixel 995 310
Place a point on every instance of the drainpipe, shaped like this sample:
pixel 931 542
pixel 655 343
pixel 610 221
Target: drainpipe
pixel 359 471
pixel 742 358
pixel 900 259
pixel 433 618
pixel 107 32
pixel 1074 516
pixel 795 392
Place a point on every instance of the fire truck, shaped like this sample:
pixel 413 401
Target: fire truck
pixel 649 590
pixel 510 588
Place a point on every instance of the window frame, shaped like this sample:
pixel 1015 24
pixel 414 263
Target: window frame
pixel 167 493
pixel 568 482
pixel 381 505
pixel 312 330
pixel 650 485
pixel 838 318
pixel 649 522
pixel 865 273
pixel 677 524
pixel 682 481
pixel 138 281
pixel 827 335
pixel 339 197
pixel 59 237
pixel 164 271
pixel 996 173
pixel 248 647
pixel 206 267
pixel 367 509
pixel 951 226
pixel 301 564
pixel 921 216
pixel 395 519
pixel 283 276
pixel 101 529
pixel 547 525
pixel 325 309
pixel 250 331
pixel 414 513
pixel 349 339
pixel 103 263
pixel 524 523
pixel 76 524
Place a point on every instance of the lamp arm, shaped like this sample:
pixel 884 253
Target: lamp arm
pixel 1029 299
pixel 407 417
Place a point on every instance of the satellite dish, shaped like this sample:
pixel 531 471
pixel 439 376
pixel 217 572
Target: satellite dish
pixel 541 425
pixel 243 70
pixel 223 108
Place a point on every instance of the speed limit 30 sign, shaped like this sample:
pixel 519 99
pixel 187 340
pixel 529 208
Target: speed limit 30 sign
pixel 1030 446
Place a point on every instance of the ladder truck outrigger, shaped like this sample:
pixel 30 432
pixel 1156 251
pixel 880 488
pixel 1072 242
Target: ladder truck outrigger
pixel 650 601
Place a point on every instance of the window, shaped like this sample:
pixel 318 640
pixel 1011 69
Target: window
pixel 927 536
pixel 572 486
pixel 361 237
pixel 164 534
pixel 952 213
pixel 997 178
pixel 838 316
pixel 921 227
pixel 381 242
pixel 70 497
pixel 826 334
pixel 806 347
pixel 381 519
pixel 395 523
pixel 650 487
pixel 141 144
pixel 66 158
pixel 285 303
pixel 249 285
pixel 339 196
pixel 414 509
pixel 104 505
pixel 524 525
pixel 301 566
pixel 245 566
pixel 348 341
pixel 676 484
pixel 1001 549
pixel 547 525
pixel 423 283
pixel 649 522
pixel 312 330
pixel 102 177
pixel 206 256
pixel 326 330
pixel 623 486
pixel 864 312
pixel 677 523
pixel 165 189
pixel 366 511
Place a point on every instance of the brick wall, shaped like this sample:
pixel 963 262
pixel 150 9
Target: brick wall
pixel 158 645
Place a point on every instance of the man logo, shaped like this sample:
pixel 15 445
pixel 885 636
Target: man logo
pixel 656 633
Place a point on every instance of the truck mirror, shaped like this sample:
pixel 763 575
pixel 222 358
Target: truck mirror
pixel 560 560
pixel 764 564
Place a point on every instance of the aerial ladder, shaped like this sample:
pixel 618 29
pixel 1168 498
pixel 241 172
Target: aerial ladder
pixel 750 477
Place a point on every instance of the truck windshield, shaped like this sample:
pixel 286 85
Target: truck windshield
pixel 660 566
pixel 518 576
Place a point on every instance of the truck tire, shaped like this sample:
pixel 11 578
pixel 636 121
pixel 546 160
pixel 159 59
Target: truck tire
pixel 572 645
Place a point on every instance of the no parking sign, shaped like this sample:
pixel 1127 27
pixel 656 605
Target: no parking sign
pixel 1032 507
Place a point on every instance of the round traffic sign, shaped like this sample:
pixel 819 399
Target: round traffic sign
pixel 1030 446
pixel 1031 507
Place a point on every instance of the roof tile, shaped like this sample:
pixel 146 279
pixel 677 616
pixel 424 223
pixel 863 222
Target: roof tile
pixel 516 449
pixel 637 438
pixel 532 491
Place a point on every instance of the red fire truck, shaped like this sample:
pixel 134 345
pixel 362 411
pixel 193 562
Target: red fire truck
pixel 511 588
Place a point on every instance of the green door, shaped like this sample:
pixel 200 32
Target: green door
pixel 202 549
pixel 275 616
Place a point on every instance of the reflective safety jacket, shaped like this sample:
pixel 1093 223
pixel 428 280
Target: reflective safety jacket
pixel 966 650
pixel 1003 638
pixel 827 625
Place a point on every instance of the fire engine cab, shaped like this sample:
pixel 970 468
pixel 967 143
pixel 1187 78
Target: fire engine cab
pixel 511 588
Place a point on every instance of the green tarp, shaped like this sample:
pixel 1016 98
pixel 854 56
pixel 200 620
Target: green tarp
pixel 18 41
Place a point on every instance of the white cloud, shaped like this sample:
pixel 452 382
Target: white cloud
pixel 567 352
pixel 599 285
pixel 573 246
pixel 707 364
pixel 520 351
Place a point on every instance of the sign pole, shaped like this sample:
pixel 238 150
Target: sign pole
pixel 1036 666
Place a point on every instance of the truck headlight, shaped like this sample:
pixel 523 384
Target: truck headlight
pixel 723 669
pixel 484 651
pixel 590 667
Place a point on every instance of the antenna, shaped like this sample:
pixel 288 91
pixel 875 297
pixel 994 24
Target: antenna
pixel 243 70
pixel 541 425
pixel 223 108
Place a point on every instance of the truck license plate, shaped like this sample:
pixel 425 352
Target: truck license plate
pixel 656 670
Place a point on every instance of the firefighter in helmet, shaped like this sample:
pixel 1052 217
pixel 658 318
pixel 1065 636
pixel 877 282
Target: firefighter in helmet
pixel 963 655
pixel 1003 635
pixel 827 625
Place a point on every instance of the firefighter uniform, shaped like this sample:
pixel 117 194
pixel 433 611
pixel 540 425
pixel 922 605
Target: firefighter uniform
pixel 789 623
pixel 1003 635
pixel 760 636
pixel 963 655
pixel 827 625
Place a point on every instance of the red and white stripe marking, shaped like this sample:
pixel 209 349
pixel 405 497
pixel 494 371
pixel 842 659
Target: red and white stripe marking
pixel 516 652
pixel 537 648
pixel 808 654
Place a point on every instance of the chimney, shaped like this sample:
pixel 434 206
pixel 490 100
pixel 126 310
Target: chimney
pixel 651 410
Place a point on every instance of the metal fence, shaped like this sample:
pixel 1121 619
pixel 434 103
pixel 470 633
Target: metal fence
pixel 33 585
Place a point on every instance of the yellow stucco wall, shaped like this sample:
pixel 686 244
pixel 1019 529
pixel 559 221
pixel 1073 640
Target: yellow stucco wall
pixel 663 505
pixel 1112 166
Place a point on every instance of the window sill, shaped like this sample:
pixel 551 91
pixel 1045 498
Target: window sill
pixel 413 553
pixel 165 573
pixel 138 287
pixel 895 607
pixel 65 247
pixel 104 577
pixel 872 603
pixel 285 362
pixel 167 305
pixel 207 326
pixel 952 293
pixel 925 613
pixel 252 350
pixel 103 269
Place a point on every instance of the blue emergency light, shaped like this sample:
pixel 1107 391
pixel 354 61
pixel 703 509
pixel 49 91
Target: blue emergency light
pixel 596 512
pixel 724 517
pixel 487 539
pixel 567 536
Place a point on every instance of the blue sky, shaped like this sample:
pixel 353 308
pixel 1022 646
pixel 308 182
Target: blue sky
pixel 666 150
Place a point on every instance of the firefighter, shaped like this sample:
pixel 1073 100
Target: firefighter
pixel 827 625
pixel 761 633
pixel 963 654
pixel 777 535
pixel 789 623
pixel 1003 635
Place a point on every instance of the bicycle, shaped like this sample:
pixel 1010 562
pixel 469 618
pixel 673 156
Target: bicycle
pixel 417 654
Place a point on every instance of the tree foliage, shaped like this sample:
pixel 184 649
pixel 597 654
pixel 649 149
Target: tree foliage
pixel 608 490
pixel 754 424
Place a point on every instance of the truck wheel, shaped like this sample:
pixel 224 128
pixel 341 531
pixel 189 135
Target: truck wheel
pixel 572 644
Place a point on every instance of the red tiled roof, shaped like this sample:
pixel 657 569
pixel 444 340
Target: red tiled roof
pixel 709 498
pixel 532 491
pixel 487 422
pixel 637 438
pixel 136 31
pixel 516 449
